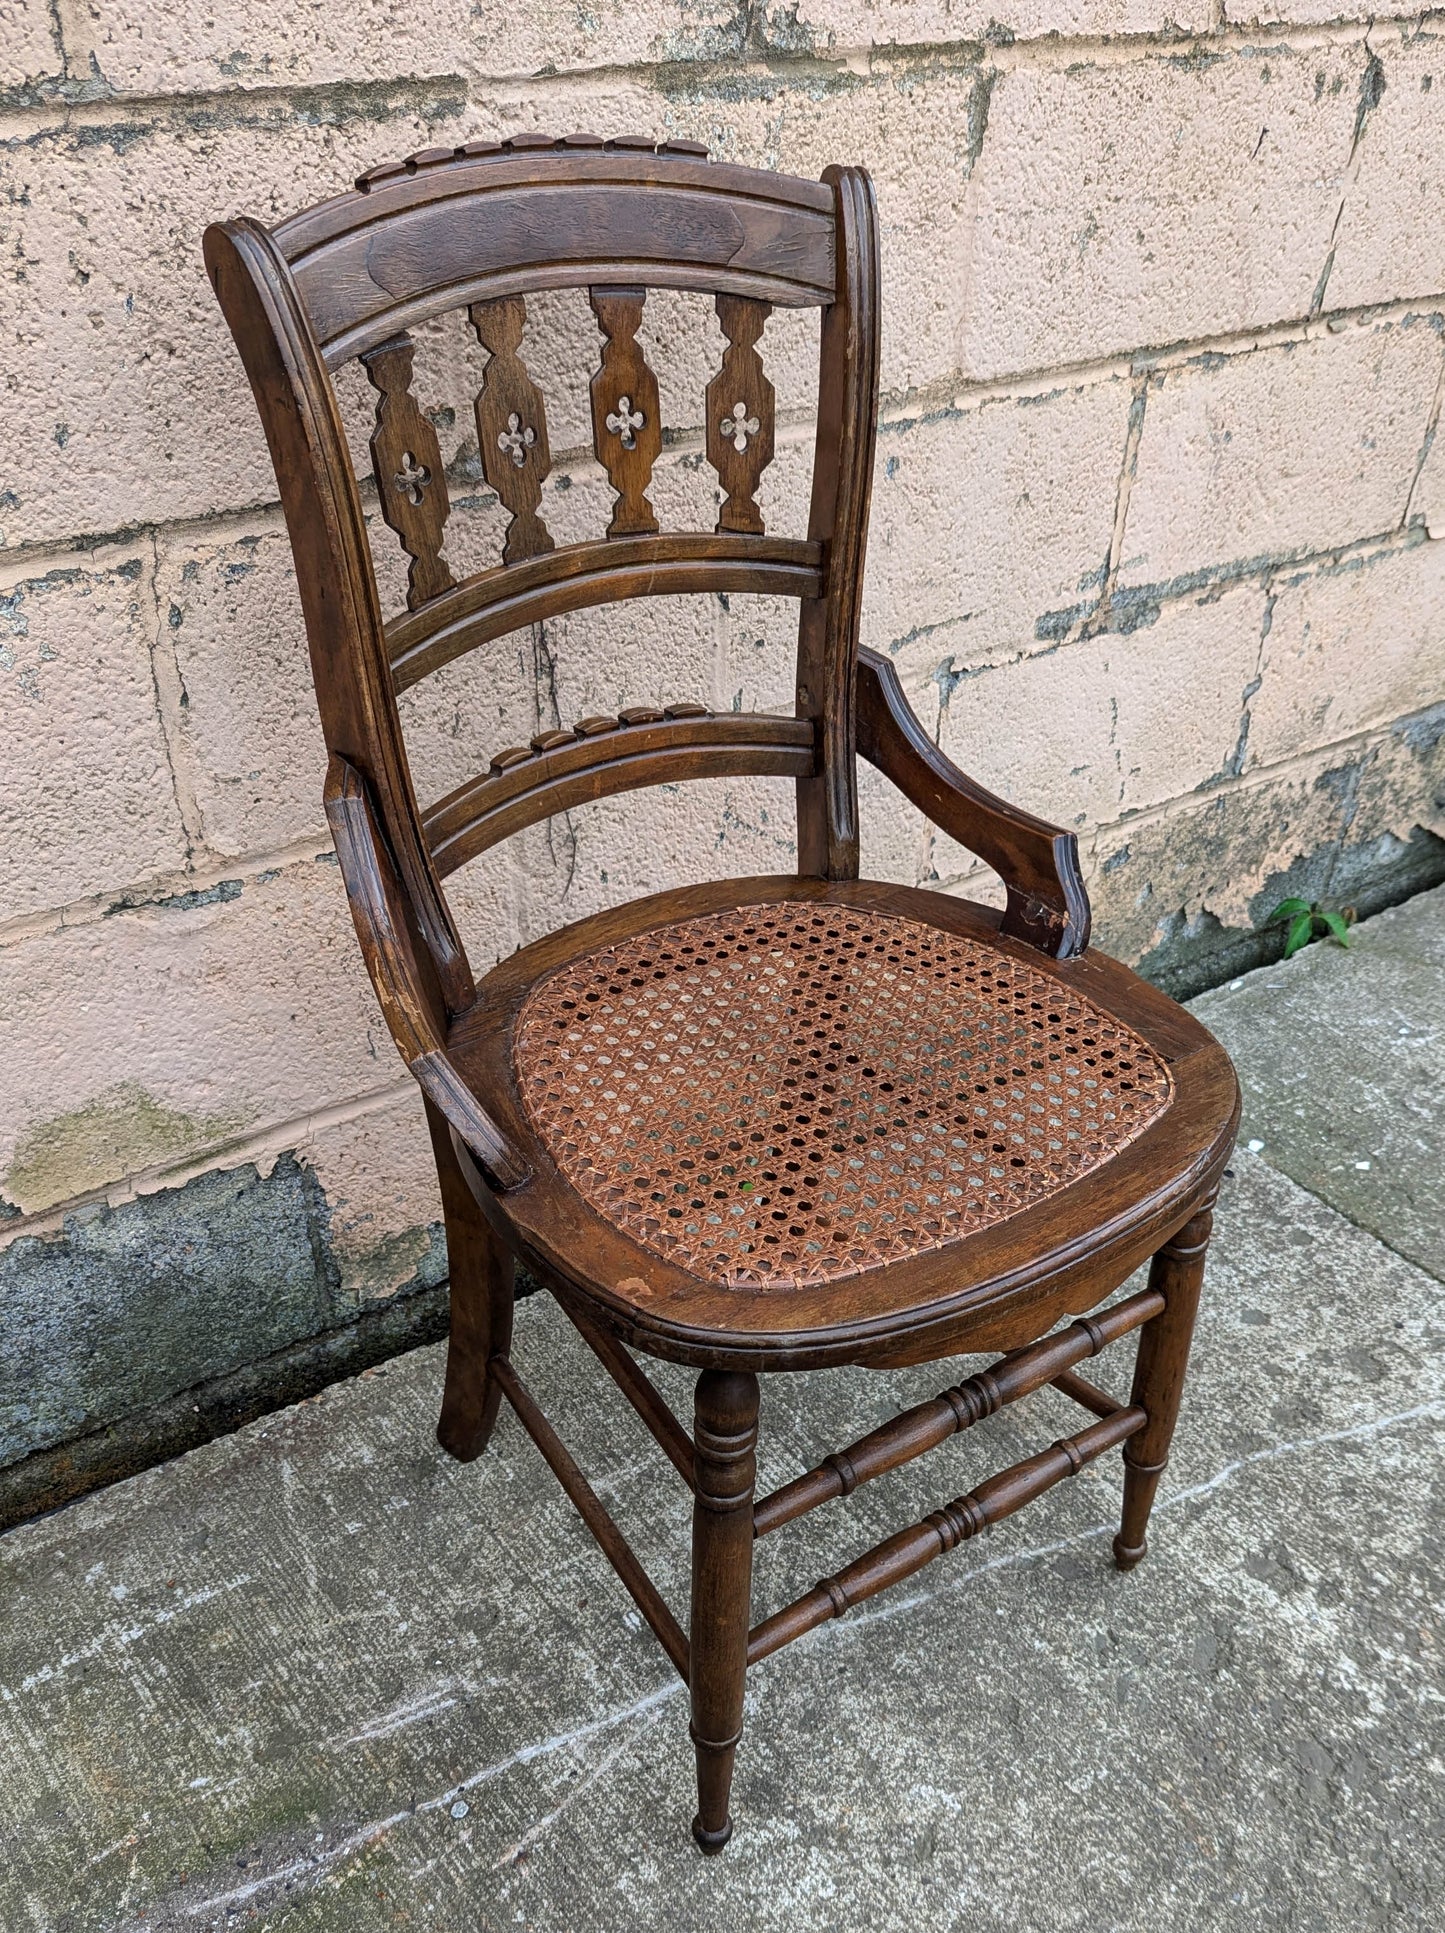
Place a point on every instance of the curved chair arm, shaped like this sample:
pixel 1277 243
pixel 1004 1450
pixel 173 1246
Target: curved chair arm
pixel 412 1008
pixel 1038 863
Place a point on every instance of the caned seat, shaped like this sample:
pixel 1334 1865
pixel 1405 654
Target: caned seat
pixel 781 1094
pixel 748 1125
pixel 780 1114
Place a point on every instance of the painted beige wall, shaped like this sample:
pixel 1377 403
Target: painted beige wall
pixel 1155 531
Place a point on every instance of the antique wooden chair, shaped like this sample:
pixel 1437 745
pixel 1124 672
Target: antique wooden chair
pixel 768 1124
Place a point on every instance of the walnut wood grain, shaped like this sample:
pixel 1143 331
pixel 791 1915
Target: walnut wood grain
pixel 579 576
pixel 1038 863
pixel 512 425
pixel 594 1513
pixel 337 585
pixel 740 408
pixel 673 1440
pixel 943 1530
pixel 480 1287
pixel 406 461
pixel 393 959
pixel 1177 1277
pixel 434 238
pixel 842 487
pixel 626 413
pixel 480 227
pixel 569 768
pixel 1088 1395
pixel 998 1289
pixel 926 1425
pixel 725 1433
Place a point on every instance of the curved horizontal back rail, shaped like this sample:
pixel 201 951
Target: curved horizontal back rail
pixel 603 756
pixel 475 229
pixel 456 226
pixel 603 572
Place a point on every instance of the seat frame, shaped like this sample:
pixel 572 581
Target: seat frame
pixel 483 226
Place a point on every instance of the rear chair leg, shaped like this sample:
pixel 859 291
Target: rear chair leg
pixel 481 1272
pixel 1177 1272
pixel 725 1435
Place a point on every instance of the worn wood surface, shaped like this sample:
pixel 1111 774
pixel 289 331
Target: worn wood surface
pixel 740 409
pixel 512 425
pixel 626 412
pixel 842 488
pixel 1177 1274
pixel 594 1513
pixel 725 1433
pixel 481 1278
pixel 406 462
pixel 900 1557
pixel 1038 863
pixel 926 1425
pixel 478 228
pixel 470 227
pixel 599 757
pixel 999 1288
pixel 607 571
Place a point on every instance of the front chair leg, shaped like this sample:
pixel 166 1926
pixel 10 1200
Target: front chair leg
pixel 1177 1272
pixel 482 1288
pixel 725 1435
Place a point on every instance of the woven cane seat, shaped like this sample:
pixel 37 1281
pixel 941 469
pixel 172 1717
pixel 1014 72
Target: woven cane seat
pixel 778 1095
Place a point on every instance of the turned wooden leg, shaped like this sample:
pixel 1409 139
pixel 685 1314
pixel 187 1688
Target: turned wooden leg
pixel 1177 1272
pixel 725 1435
pixel 481 1273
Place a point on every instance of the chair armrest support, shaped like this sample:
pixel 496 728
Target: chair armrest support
pixel 1038 863
pixel 411 1007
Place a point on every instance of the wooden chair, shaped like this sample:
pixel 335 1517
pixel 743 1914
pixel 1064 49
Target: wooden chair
pixel 768 1124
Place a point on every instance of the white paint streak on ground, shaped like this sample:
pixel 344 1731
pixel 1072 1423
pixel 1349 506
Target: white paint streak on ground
pixel 312 1868
pixel 643 1712
pixel 132 1634
pixel 132 1838
pixel 539 1831
pixel 413 1711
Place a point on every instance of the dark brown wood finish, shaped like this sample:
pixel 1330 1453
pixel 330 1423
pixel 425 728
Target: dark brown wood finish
pixel 626 415
pixel 842 485
pixel 1177 1274
pixel 943 1530
pixel 494 602
pixel 740 405
pixel 594 1513
pixel 602 756
pixel 926 1425
pixel 639 1391
pixel 725 1432
pixel 999 1289
pixel 1039 864
pixel 438 232
pixel 333 565
pixel 512 425
pixel 406 461
pixel 410 1001
pixel 482 1284
pixel 479 228
pixel 1080 1390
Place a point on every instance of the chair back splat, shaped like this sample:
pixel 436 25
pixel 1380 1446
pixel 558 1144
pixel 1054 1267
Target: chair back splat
pixel 478 230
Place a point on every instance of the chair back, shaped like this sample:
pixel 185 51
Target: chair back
pixel 480 228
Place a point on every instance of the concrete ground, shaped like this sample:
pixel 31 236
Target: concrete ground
pixel 315 1676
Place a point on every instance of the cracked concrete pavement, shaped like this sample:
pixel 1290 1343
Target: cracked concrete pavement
pixel 315 1676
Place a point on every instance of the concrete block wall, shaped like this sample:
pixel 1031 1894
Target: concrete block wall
pixel 1159 523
